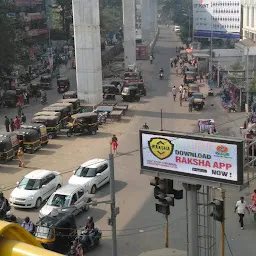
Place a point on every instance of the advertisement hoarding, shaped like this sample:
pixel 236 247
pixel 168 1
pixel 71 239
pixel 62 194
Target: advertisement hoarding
pixel 221 19
pixel 208 158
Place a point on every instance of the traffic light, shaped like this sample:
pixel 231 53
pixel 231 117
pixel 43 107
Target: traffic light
pixel 164 192
pixel 218 210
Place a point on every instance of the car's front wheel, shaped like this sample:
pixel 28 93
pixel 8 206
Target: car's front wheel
pixel 38 203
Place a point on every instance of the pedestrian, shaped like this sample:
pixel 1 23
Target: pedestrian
pixel 241 205
pixel 7 124
pixel 12 125
pixel 174 92
pixel 20 157
pixel 23 118
pixel 17 123
pixel 25 98
pixel 190 104
pixel 180 99
pixel 28 225
pixel 19 108
pixel 114 143
pixel 181 88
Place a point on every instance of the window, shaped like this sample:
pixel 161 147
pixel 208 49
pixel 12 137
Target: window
pixel 74 199
pixel 80 193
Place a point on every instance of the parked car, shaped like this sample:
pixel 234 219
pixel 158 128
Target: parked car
pixel 70 198
pixel 34 188
pixel 92 175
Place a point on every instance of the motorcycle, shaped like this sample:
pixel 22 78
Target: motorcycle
pixel 161 76
pixel 145 126
pixel 43 100
pixel 84 242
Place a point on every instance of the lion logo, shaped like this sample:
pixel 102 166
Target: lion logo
pixel 161 148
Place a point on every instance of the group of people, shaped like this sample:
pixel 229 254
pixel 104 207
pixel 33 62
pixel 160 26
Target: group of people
pixel 14 124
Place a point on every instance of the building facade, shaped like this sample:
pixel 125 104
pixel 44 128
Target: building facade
pixel 249 19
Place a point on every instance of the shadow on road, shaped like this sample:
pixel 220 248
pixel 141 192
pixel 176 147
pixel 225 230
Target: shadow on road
pixel 105 190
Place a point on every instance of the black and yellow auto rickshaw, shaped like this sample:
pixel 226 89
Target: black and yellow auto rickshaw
pixel 63 84
pixel 29 140
pixel 56 233
pixel 47 113
pixel 198 100
pixel 192 88
pixel 189 77
pixel 52 124
pixel 74 102
pixel 83 123
pixel 34 90
pixel 70 95
pixel 14 140
pixel 41 129
pixel 6 150
pixel 109 91
pixel 46 82
pixel 131 93
pixel 68 105
pixel 10 98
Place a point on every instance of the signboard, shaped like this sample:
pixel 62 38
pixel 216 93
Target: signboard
pixel 219 19
pixel 208 158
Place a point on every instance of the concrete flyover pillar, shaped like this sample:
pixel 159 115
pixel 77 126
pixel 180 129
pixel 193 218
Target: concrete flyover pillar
pixel 145 20
pixel 156 16
pixel 88 50
pixel 129 32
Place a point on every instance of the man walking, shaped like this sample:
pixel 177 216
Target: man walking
pixel 190 104
pixel 7 124
pixel 174 92
pixel 241 205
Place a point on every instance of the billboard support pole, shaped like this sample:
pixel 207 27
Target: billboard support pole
pixel 193 248
pixel 223 195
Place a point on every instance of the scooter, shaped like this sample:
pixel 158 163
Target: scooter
pixel 161 76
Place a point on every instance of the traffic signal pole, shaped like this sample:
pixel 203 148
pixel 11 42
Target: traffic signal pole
pixel 167 232
pixel 223 196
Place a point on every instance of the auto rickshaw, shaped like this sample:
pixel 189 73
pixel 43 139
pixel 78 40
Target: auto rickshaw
pixel 56 233
pixel 189 77
pixel 64 113
pixel 109 92
pixel 10 98
pixel 192 88
pixel 75 103
pixel 46 82
pixel 131 93
pixel 29 139
pixel 68 105
pixel 70 95
pixel 34 89
pixel 14 140
pixel 63 84
pixel 41 129
pixel 130 77
pixel 47 113
pixel 83 123
pixel 140 85
pixel 198 100
pixel 6 150
pixel 51 122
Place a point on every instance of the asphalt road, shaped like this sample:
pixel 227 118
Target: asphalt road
pixel 140 228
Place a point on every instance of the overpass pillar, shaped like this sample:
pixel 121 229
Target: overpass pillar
pixel 129 32
pixel 88 50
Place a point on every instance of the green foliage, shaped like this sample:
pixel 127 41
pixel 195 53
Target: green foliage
pixel 253 84
pixel 110 19
pixel 237 66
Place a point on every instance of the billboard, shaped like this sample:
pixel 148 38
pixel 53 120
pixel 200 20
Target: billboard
pixel 222 19
pixel 208 158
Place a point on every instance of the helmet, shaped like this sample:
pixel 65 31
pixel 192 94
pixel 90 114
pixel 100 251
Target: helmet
pixel 9 214
pixel 90 218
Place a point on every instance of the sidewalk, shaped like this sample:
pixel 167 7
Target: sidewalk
pixel 33 107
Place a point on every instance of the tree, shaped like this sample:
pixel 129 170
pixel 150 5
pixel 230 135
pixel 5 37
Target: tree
pixel 8 37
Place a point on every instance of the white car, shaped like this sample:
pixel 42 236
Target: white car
pixel 34 188
pixel 92 174
pixel 71 198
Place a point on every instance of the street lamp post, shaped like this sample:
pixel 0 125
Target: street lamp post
pixel 189 24
pixel 211 46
